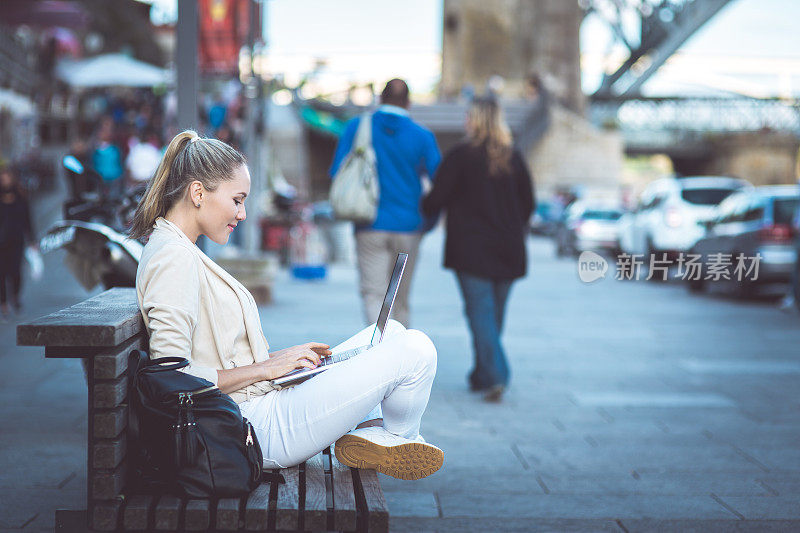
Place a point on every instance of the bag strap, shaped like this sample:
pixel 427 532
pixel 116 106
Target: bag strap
pixel 136 359
pixel 164 364
pixel 364 133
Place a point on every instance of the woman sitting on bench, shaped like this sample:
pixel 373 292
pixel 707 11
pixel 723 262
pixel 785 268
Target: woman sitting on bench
pixel 192 307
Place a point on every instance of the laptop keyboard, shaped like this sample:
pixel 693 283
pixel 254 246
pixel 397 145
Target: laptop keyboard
pixel 338 357
pixel 344 355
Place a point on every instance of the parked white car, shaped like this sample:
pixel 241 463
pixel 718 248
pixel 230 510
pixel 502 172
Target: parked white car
pixel 666 218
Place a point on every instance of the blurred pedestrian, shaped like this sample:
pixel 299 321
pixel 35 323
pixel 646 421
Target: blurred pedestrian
pixel 484 185
pixel 217 112
pixel 15 232
pixel 144 158
pixel 538 119
pixel 405 151
pixel 791 301
pixel 80 182
pixel 225 134
pixel 107 159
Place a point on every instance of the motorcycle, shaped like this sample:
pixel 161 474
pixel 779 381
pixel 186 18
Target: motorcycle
pixel 93 233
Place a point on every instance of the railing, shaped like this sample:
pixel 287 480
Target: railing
pixel 700 114
pixel 675 121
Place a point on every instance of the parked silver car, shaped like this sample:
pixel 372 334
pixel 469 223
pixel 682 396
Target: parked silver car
pixel 588 225
pixel 750 224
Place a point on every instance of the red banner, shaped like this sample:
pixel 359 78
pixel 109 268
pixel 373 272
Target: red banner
pixel 224 27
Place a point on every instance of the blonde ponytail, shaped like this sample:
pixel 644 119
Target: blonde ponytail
pixel 188 158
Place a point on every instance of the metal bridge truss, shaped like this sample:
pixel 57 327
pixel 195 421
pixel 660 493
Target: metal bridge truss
pixel 649 124
pixel 663 26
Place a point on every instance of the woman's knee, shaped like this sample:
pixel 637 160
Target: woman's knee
pixel 419 344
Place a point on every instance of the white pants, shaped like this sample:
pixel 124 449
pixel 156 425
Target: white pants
pixel 296 423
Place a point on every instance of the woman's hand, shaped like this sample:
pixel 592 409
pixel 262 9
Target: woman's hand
pixel 280 363
pixel 308 355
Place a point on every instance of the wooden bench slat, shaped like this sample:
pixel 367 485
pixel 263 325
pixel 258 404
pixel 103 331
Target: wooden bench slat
pixel 136 515
pixel 111 364
pixel 167 513
pixel 105 515
pixel 108 394
pixel 256 510
pixel 373 496
pixel 228 514
pixel 108 319
pixel 316 510
pixel 197 515
pixel 344 501
pixel 109 453
pixel 110 423
pixel 72 352
pixel 287 514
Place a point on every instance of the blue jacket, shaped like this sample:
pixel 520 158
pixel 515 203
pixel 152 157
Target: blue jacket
pixel 107 161
pixel 405 151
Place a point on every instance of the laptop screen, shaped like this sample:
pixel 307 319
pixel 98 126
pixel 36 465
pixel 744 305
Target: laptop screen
pixel 388 300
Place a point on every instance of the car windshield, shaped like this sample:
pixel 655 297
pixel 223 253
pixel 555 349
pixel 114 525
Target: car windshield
pixel 601 214
pixel 784 210
pixel 705 196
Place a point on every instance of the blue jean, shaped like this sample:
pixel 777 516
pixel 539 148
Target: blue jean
pixel 484 306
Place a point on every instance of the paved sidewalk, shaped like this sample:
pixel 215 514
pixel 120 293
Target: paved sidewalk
pixel 633 407
pixel 42 402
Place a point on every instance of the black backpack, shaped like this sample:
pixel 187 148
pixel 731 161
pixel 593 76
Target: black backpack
pixel 186 437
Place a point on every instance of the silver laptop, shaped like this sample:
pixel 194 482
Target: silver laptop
pixel 377 333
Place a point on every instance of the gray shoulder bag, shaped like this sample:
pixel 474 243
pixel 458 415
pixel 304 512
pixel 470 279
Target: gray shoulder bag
pixel 355 189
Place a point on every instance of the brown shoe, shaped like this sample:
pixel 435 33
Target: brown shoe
pixel 494 394
pixel 377 449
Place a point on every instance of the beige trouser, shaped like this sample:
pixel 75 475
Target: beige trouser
pixel 377 251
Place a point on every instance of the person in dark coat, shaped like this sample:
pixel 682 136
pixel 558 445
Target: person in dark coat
pixel 484 185
pixel 15 232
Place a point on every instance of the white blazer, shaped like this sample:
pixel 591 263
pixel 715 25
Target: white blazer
pixel 193 308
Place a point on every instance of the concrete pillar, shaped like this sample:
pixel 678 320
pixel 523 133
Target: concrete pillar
pixel 768 158
pixel 512 39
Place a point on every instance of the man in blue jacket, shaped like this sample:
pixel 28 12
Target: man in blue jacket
pixel 405 152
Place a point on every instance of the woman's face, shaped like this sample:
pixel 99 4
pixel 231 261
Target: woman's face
pixel 222 209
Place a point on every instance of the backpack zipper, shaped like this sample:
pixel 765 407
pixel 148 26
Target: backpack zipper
pixel 249 440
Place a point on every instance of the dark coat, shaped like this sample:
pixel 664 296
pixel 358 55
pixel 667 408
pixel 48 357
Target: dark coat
pixel 15 223
pixel 487 216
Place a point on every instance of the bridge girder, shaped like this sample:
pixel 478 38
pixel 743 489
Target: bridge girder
pixel 664 25
pixel 683 125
